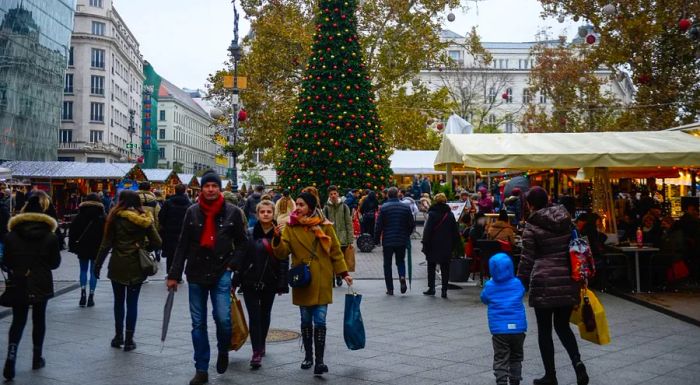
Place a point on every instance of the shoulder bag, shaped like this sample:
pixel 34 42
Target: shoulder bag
pixel 15 291
pixel 300 275
pixel 148 263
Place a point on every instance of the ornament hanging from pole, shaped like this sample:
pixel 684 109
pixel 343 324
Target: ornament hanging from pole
pixel 591 39
pixel 684 24
pixel 609 9
pixel 451 17
pixel 561 18
pixel 242 116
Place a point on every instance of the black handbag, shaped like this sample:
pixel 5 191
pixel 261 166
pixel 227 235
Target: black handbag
pixel 15 292
pixel 300 275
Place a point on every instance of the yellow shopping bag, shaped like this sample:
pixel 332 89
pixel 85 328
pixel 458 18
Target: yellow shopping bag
pixel 596 332
pixel 239 327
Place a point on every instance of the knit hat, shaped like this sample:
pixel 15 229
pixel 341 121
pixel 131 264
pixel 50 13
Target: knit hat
pixel 209 177
pixel 310 200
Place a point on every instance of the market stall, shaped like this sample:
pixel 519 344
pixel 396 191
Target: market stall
pixel 162 179
pixel 407 164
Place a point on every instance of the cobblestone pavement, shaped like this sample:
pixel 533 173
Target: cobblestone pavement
pixel 411 339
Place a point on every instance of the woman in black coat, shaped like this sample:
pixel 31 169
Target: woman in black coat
pixel 31 252
pixel 545 268
pixel 261 276
pixel 368 210
pixel 440 236
pixel 84 239
pixel 171 218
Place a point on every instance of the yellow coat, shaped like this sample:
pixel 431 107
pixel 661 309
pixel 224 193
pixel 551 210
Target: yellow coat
pixel 299 242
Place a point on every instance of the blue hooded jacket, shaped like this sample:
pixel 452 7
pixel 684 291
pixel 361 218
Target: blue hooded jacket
pixel 503 294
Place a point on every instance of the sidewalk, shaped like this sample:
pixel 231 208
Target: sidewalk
pixel 411 339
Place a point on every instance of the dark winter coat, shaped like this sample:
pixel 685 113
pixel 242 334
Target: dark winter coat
pixel 260 270
pixel 4 219
pixel 440 235
pixel 394 225
pixel 171 218
pixel 85 235
pixel 205 266
pixel 129 232
pixel 31 252
pixel 503 294
pixel 545 263
pixel 251 205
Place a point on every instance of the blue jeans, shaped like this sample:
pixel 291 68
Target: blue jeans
pixel 317 314
pixel 130 295
pixel 389 252
pixel 220 294
pixel 87 265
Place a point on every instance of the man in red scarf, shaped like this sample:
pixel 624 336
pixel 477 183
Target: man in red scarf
pixel 213 239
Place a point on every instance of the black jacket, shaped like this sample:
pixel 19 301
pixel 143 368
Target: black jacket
pixel 440 234
pixel 31 252
pixel 86 230
pixel 204 266
pixel 171 217
pixel 260 270
pixel 394 224
pixel 251 205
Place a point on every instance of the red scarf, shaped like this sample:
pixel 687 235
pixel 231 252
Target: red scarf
pixel 210 209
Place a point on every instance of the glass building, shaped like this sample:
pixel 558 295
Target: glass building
pixel 34 48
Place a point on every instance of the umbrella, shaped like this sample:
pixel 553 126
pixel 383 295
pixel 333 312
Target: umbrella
pixel 410 263
pixel 166 316
pixel 520 182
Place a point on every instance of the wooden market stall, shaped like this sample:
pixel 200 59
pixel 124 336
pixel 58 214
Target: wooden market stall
pixel 162 179
pixel 405 165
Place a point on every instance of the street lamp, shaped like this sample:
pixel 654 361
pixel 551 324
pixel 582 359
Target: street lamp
pixel 132 130
pixel 235 50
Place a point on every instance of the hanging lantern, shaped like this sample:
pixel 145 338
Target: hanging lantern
pixel 684 24
pixel 242 116
pixel 590 39
pixel 609 10
pixel 451 17
pixel 561 18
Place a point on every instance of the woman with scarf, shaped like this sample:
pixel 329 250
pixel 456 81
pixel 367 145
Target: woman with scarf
pixel 311 240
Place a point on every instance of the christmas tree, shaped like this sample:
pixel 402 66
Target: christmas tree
pixel 335 136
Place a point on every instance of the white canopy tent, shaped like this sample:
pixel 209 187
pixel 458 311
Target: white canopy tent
pixel 5 173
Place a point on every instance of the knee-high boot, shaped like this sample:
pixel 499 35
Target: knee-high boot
pixel 307 337
pixel 320 345
pixel 9 370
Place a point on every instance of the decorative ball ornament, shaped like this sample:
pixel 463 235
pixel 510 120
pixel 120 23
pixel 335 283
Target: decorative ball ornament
pixel 504 96
pixel 576 18
pixel 561 18
pixel 590 39
pixel 609 9
pixel 684 24
pixel 242 115
pixel 583 31
pixel 451 17
pixel 440 126
pixel 694 32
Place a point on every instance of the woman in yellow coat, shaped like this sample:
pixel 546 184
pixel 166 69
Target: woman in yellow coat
pixel 311 239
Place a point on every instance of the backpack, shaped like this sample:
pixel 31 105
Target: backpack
pixel 582 262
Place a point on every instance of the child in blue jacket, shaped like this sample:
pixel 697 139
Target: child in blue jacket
pixel 503 294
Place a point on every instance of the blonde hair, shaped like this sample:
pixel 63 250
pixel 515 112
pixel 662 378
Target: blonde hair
pixel 440 198
pixel 265 202
pixel 265 197
pixel 44 200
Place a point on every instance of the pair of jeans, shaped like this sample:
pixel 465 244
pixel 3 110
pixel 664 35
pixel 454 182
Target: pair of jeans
pixel 130 295
pixel 560 317
pixel 508 357
pixel 220 294
pixel 19 320
pixel 389 252
pixel 87 266
pixel 259 307
pixel 444 274
pixel 313 315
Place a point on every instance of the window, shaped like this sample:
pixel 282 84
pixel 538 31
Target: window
pixel 66 159
pixel 509 95
pixel 543 98
pixel 161 153
pixel 97 85
pixel 97 112
pixel 492 95
pixel 68 87
pixel 509 124
pixel 492 119
pixel 96 3
pixel 95 160
pixel 97 58
pixel 526 96
pixel 65 136
pixel 162 114
pixel 455 56
pixel 98 28
pixel 258 155
pixel 67 113
pixel 95 136
pixel 70 56
pixel 161 134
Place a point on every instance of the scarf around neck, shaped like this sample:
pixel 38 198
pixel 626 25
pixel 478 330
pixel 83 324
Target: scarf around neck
pixel 210 209
pixel 312 223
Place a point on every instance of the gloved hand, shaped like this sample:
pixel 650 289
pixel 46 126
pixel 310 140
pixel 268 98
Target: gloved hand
pixel 96 272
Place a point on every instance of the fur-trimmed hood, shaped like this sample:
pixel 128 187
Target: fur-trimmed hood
pixel 92 204
pixel 32 225
pixel 142 220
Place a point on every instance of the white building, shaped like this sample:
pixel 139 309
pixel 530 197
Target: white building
pixel 185 132
pixel 101 114
pixel 501 91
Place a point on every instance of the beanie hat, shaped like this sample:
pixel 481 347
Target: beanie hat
pixel 310 201
pixel 209 177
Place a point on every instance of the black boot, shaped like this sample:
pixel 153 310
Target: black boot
pixel 444 293
pixel 307 337
pixel 320 346
pixel 118 339
pixel 430 291
pixel 38 361
pixel 200 378
pixel 222 362
pixel 91 300
pixel 9 371
pixel 548 379
pixel 83 299
pixel 581 374
pixel 129 344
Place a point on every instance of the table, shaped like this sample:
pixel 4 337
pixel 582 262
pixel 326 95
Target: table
pixel 636 250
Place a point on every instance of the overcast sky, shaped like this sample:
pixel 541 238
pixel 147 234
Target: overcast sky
pixel 186 40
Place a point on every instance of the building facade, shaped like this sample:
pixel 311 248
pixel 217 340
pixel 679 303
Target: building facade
pixel 497 95
pixel 34 48
pixel 185 132
pixel 101 115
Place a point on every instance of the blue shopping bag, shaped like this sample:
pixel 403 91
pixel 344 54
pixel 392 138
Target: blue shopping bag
pixel 353 327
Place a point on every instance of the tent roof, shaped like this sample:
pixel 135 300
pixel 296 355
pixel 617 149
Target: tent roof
pixel 185 178
pixel 158 174
pixel 413 162
pixel 66 170
pixel 624 150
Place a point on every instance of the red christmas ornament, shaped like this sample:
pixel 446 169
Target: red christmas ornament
pixel 505 96
pixel 590 39
pixel 242 116
pixel 440 126
pixel 684 24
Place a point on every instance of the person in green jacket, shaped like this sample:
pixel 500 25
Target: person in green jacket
pixel 339 213
pixel 128 229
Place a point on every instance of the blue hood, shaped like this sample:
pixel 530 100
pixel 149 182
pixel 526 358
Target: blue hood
pixel 501 267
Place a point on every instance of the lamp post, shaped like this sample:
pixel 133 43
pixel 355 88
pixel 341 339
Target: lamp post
pixel 235 51
pixel 132 130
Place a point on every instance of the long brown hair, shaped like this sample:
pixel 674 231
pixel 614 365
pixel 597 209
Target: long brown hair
pixel 127 200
